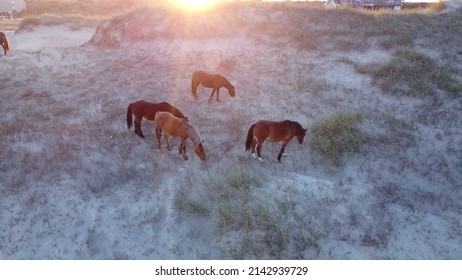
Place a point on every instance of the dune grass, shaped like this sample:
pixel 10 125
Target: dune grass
pixel 337 135
pixel 412 73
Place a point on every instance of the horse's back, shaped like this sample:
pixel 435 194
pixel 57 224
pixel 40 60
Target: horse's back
pixel 170 124
pixel 262 128
pixel 200 74
pixel 161 116
pixel 203 77
pixel 164 117
pixel 167 107
pixel 272 130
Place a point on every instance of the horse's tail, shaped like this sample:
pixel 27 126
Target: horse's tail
pixel 248 142
pixel 129 116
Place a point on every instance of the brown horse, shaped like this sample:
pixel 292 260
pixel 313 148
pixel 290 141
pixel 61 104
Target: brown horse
pixel 148 110
pixel 173 126
pixel 4 42
pixel 274 132
pixel 215 81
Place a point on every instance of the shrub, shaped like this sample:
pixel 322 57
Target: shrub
pixel 337 135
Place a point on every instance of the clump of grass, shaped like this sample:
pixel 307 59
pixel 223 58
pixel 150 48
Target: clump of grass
pixel 311 84
pixel 411 73
pixel 337 135
pixel 251 224
pixel 196 207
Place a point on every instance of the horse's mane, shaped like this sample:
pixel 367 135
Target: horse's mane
pixel 296 125
pixel 192 134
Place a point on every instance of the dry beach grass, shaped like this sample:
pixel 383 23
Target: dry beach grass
pixel 378 176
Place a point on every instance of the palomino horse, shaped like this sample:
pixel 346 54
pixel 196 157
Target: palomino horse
pixel 274 132
pixel 215 81
pixel 4 42
pixel 173 126
pixel 148 110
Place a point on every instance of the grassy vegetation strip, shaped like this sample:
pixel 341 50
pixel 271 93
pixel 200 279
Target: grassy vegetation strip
pixel 412 73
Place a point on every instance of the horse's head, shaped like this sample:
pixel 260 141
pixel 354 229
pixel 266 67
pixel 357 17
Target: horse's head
pixel 301 135
pixel 200 151
pixel 231 91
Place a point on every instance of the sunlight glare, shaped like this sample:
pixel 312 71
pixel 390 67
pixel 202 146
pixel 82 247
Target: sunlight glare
pixel 195 4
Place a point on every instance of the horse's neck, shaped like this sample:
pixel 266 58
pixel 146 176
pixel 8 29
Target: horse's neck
pixel 227 84
pixel 192 134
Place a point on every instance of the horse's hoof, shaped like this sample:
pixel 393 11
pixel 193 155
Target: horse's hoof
pixel 254 156
pixel 260 160
pixel 169 149
pixel 185 157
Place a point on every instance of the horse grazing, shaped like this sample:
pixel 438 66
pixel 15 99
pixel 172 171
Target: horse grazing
pixel 4 42
pixel 215 81
pixel 148 110
pixel 173 126
pixel 274 132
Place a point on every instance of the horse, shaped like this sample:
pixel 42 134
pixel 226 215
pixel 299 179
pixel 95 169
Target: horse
pixel 215 81
pixel 274 132
pixel 4 42
pixel 148 110
pixel 173 126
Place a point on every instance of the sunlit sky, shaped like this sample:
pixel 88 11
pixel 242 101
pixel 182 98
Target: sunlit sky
pixel 197 4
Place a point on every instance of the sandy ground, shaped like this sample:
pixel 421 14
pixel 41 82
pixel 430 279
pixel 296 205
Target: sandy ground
pixel 76 184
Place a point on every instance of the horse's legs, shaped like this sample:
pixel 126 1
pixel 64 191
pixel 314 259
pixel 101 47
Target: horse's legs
pixel 137 123
pixel 252 148
pixel 194 87
pixel 166 141
pixel 218 92
pixel 281 152
pixel 158 134
pixel 183 148
pixel 259 146
pixel 211 95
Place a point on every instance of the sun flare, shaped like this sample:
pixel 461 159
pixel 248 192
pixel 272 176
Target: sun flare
pixel 196 4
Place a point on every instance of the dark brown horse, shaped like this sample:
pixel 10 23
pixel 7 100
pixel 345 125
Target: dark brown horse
pixel 214 81
pixel 4 42
pixel 173 126
pixel 148 110
pixel 274 132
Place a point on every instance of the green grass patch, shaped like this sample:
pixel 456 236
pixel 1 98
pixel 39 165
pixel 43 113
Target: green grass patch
pixel 250 223
pixel 411 73
pixel 335 136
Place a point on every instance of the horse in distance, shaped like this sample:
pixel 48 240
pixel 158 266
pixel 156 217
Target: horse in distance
pixel 274 132
pixel 4 42
pixel 214 81
pixel 178 127
pixel 144 109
